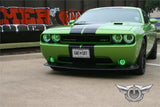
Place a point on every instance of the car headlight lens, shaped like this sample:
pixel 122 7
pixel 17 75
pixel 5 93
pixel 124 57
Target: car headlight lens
pixel 117 38
pixel 56 38
pixel 128 38
pixel 46 38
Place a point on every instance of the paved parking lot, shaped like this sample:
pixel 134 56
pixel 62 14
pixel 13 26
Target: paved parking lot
pixel 25 82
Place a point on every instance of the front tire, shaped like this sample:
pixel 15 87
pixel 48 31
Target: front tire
pixel 153 54
pixel 142 60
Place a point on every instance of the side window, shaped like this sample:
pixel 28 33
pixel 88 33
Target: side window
pixel 146 18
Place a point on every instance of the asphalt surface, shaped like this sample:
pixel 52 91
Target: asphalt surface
pixel 25 82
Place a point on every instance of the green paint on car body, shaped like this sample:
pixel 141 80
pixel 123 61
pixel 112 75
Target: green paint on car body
pixel 115 51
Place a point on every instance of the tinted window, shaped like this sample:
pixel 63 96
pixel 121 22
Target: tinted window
pixel 110 15
pixel 146 18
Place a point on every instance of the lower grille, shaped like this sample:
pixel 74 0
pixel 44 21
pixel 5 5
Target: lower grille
pixel 86 61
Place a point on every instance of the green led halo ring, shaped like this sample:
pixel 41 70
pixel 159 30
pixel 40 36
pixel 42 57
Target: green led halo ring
pixel 56 38
pixel 122 62
pixel 117 38
pixel 46 38
pixel 126 39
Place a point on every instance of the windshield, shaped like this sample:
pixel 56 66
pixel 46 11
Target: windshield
pixel 109 15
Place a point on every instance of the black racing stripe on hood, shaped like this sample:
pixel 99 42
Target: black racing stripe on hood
pixel 77 29
pixel 91 29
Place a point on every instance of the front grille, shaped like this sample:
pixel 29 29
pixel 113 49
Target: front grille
pixel 86 61
pixel 95 39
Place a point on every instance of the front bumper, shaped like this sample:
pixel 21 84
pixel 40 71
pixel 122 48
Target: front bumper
pixel 92 67
pixel 113 52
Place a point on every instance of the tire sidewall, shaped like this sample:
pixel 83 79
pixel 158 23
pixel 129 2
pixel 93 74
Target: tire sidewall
pixel 142 59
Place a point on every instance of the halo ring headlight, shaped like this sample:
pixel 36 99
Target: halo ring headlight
pixel 46 38
pixel 117 38
pixel 128 38
pixel 56 38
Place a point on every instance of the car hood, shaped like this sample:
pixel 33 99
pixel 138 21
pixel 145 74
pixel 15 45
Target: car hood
pixel 108 28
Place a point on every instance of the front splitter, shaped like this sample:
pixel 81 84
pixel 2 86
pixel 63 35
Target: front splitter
pixel 92 68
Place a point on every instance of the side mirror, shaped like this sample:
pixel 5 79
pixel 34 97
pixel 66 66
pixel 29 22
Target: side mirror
pixel 153 21
pixel 71 22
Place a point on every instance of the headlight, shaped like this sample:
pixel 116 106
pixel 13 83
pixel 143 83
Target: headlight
pixel 56 38
pixel 117 38
pixel 128 38
pixel 46 38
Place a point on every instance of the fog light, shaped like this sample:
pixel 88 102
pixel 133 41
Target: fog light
pixel 51 59
pixel 122 62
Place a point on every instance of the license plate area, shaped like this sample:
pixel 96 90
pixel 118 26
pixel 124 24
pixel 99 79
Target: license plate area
pixel 80 53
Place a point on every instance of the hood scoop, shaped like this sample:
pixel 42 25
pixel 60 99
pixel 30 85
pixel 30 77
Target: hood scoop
pixel 118 23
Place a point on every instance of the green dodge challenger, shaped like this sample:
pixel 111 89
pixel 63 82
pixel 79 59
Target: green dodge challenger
pixel 108 38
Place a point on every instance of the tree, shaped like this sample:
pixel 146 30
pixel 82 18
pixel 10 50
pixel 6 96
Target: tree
pixel 152 5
